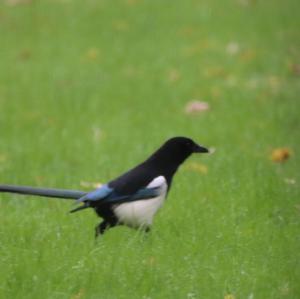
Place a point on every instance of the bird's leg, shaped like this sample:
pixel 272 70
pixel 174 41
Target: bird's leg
pixel 144 230
pixel 101 228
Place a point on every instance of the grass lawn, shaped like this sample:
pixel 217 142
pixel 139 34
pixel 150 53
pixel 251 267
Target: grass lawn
pixel 90 88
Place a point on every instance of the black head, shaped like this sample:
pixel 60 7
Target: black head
pixel 176 150
pixel 184 146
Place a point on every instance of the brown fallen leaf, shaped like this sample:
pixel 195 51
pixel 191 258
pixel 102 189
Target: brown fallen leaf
pixel 196 107
pixel 280 154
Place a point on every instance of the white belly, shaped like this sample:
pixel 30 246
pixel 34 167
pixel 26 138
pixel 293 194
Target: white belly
pixel 140 213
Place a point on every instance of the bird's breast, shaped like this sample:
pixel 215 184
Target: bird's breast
pixel 140 213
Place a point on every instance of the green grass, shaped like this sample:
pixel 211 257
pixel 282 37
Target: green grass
pixel 90 88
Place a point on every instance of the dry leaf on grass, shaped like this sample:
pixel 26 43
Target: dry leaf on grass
pixel 280 154
pixel 196 107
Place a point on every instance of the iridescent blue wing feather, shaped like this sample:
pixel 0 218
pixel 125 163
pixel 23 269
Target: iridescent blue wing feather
pixel 106 195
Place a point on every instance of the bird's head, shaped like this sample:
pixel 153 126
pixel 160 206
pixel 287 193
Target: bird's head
pixel 176 150
pixel 183 146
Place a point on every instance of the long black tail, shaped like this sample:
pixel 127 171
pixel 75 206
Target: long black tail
pixel 58 193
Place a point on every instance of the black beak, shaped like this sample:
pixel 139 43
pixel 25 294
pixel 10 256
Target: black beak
pixel 199 149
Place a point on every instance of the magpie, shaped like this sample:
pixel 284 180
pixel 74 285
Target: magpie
pixel 133 198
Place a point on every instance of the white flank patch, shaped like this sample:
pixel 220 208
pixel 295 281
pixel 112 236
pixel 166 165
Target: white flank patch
pixel 140 213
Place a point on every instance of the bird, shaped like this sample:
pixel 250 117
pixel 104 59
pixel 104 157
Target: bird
pixel 133 198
